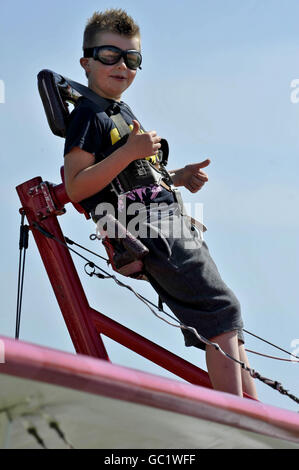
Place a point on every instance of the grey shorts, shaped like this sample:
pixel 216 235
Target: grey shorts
pixel 182 272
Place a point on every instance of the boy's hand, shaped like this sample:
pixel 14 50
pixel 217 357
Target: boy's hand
pixel 193 177
pixel 141 145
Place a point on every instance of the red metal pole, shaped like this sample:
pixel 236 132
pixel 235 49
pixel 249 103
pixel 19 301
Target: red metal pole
pixel 61 270
pixel 150 350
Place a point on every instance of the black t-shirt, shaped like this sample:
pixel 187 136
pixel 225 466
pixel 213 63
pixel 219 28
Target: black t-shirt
pixel 95 132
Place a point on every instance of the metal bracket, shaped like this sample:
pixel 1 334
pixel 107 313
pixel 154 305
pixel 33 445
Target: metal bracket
pixel 48 207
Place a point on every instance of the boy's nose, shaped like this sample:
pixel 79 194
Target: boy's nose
pixel 121 63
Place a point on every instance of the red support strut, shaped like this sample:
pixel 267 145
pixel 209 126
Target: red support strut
pixel 38 205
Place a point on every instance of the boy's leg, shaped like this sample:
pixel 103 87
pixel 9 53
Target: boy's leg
pixel 224 373
pixel 247 381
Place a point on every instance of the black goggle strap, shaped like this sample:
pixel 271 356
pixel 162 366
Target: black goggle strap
pixel 88 52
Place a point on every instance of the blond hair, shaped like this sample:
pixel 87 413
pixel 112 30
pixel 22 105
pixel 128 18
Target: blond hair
pixel 112 20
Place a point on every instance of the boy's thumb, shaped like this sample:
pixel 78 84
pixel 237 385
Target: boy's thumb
pixel 136 127
pixel 204 163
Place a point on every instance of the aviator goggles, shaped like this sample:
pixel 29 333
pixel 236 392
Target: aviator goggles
pixel 111 55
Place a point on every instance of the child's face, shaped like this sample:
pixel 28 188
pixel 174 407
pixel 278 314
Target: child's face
pixel 110 81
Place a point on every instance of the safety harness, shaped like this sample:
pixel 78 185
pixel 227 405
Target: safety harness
pixel 125 252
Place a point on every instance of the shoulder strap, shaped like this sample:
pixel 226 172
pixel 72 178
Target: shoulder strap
pixel 112 109
pixel 89 94
pixel 120 124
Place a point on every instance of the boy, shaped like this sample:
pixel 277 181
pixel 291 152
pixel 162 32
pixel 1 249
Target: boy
pixel 187 280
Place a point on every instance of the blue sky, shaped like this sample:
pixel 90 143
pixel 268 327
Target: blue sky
pixel 216 82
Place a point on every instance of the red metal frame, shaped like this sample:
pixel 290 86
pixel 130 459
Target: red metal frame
pixel 42 202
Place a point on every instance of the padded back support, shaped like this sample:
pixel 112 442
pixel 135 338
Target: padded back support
pixel 56 94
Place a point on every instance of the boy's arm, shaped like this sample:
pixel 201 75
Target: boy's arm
pixel 83 178
pixel 192 176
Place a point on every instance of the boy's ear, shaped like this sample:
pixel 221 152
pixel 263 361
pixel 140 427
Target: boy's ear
pixel 84 61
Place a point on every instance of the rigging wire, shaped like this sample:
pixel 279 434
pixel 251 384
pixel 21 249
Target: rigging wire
pixel 271 344
pixel 23 245
pixel 271 357
pixel 256 375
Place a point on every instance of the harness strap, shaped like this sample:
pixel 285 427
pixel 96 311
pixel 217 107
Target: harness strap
pixel 120 124
pixel 89 94
pixel 192 221
pixel 146 172
pixel 112 109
